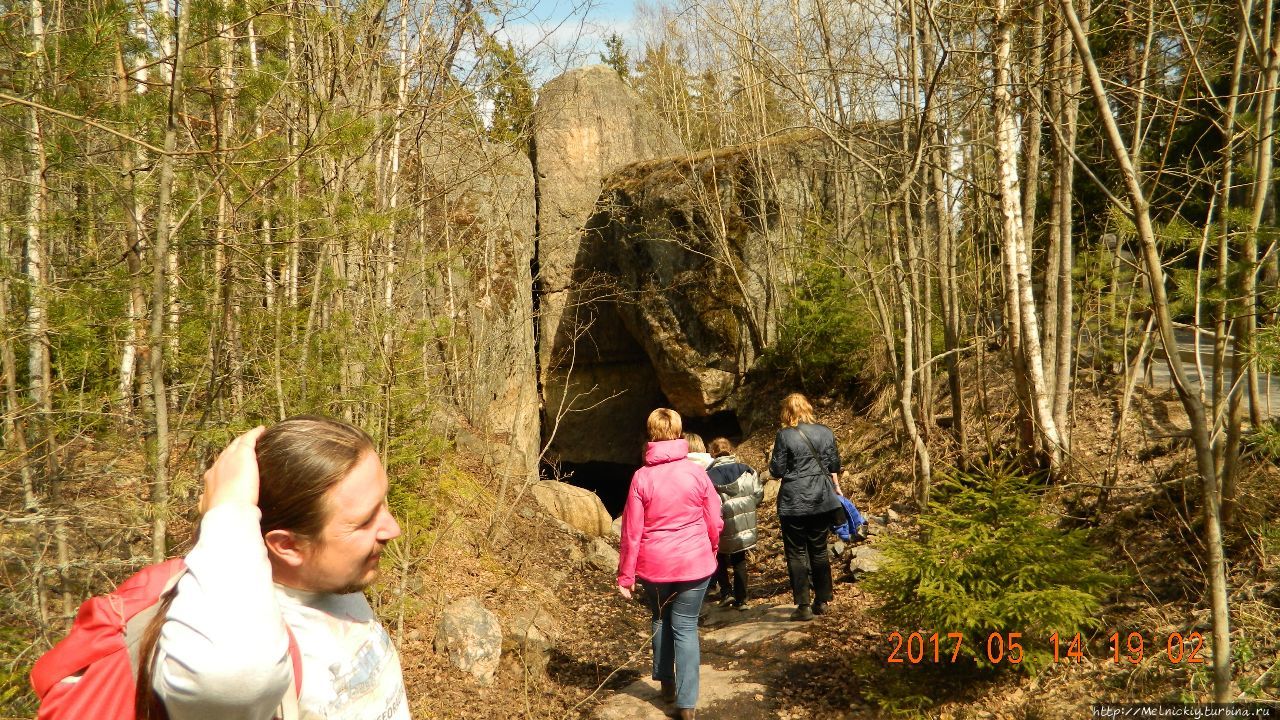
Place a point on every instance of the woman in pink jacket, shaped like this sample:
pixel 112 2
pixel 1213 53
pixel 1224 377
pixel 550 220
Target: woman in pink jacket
pixel 670 529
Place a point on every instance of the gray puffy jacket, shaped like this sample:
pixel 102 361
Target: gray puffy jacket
pixel 740 492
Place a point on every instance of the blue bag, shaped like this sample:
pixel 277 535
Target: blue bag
pixel 851 528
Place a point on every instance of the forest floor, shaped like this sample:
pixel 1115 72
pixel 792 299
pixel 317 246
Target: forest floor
pixel 756 664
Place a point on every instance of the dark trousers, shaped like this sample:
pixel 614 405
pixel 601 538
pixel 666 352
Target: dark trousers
pixel 738 561
pixel 804 538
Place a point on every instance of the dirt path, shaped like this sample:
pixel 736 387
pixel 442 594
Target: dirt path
pixel 744 656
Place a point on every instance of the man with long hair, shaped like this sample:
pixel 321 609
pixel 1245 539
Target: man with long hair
pixel 294 521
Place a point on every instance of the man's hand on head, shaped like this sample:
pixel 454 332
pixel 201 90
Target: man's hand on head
pixel 233 477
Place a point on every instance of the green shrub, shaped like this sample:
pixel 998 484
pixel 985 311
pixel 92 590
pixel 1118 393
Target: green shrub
pixel 16 696
pixel 1265 440
pixel 825 333
pixel 988 559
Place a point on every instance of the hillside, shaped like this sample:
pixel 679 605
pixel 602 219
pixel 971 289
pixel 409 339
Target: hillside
pixel 520 562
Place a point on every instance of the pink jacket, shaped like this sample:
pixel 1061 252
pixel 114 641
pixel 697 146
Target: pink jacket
pixel 671 524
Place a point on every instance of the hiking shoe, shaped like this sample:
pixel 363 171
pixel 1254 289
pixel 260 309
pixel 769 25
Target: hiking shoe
pixel 820 608
pixel 742 606
pixel 726 601
pixel 803 613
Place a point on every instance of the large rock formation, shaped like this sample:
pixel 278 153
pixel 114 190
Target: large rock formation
pixel 482 201
pixel 698 247
pixel 677 278
pixel 660 273
pixel 588 124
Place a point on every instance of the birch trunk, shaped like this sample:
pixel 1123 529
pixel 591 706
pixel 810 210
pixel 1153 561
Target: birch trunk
pixel 37 322
pixel 295 173
pixel 134 238
pixel 264 222
pixel 1032 139
pixel 1017 265
pixel 393 181
pixel 226 360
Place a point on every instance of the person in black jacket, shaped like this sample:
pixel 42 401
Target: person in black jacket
pixel 804 456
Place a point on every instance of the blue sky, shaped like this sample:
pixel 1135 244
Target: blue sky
pixel 558 35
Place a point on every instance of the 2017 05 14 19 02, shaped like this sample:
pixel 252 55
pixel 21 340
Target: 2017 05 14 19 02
pixel 1008 647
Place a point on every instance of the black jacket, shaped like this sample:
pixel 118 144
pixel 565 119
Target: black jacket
pixel 806 474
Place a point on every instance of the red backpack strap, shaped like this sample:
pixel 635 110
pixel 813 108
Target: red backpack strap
pixel 289 703
pixel 295 655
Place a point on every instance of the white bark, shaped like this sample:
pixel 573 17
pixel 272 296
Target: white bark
pixel 393 200
pixel 37 325
pixel 1017 264
pixel 264 222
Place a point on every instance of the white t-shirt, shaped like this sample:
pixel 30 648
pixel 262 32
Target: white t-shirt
pixel 223 652
pixel 350 669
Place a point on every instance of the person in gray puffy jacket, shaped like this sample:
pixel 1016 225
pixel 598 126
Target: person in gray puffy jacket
pixel 740 493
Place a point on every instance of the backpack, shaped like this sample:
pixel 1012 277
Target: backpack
pixel 92 672
pixel 854 525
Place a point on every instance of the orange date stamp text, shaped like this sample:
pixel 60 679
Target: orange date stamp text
pixel 920 647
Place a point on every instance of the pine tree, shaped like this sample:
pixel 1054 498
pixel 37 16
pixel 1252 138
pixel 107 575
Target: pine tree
pixel 615 56
pixel 505 84
pixel 989 559
pixel 662 80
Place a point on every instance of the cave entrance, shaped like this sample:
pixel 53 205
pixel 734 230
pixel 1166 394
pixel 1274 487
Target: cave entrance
pixel 721 424
pixel 609 480
pixel 612 480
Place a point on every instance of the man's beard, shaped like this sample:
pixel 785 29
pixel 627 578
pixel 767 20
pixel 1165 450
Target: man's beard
pixel 354 587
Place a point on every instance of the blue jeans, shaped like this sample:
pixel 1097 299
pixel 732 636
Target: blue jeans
pixel 676 654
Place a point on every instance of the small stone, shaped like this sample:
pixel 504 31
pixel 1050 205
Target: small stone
pixel 865 559
pixel 530 637
pixel 601 555
pixel 472 637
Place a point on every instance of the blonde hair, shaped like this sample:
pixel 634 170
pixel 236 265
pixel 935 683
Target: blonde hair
pixel 664 424
pixel 720 447
pixel 695 442
pixel 795 410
